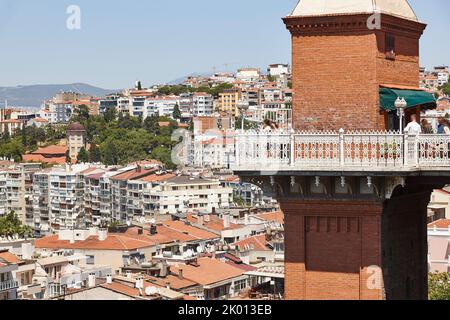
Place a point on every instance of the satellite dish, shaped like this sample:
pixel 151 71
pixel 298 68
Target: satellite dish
pixel 199 249
pixel 152 221
pixel 150 291
pixel 190 253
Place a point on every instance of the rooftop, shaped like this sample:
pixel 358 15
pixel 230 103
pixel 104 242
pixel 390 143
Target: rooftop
pixel 210 271
pixel 399 8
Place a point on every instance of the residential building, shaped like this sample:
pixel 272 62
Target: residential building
pixel 439 246
pixel 76 140
pixel 248 75
pixel 8 281
pixel 184 193
pixel 228 102
pixel 276 70
pixel 218 280
pixel 202 104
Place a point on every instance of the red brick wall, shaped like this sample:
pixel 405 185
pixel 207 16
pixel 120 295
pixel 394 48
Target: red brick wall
pixel 334 82
pixel 338 65
pixel 328 246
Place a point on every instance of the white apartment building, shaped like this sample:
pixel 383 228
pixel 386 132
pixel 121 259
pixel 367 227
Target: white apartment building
pixel 276 70
pixel 17 189
pixel 66 196
pixel 3 194
pixel 41 203
pixel 214 151
pixel 184 193
pixel 164 106
pixel 202 104
pixel 248 75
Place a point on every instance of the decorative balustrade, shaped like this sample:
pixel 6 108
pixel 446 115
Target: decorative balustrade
pixel 8 285
pixel 336 151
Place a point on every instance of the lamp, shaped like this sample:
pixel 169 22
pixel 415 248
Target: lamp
pixel 400 105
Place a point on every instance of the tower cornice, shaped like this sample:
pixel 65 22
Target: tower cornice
pixel 351 23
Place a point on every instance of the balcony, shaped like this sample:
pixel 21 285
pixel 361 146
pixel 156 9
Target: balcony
pixel 341 152
pixel 8 285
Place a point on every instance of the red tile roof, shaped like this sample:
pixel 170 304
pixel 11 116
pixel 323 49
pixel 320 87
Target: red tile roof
pixel 209 271
pixel 277 216
pixel 215 223
pixel 7 257
pixel 254 243
pixel 440 224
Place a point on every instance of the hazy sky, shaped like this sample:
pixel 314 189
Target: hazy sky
pixel 159 41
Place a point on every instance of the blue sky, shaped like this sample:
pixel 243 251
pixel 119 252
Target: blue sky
pixel 157 41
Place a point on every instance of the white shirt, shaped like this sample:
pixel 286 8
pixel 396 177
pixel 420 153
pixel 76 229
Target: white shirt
pixel 413 128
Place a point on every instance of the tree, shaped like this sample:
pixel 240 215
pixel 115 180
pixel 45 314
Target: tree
pixel 83 156
pixel 439 286
pixel 110 114
pixel 271 78
pixel 81 114
pixel 151 124
pixel 68 158
pixel 109 154
pixel 11 225
pixel 95 155
pixel 176 112
pixel 445 89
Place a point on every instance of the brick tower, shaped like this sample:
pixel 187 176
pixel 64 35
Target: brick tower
pixel 355 202
pixel 343 52
pixel 356 245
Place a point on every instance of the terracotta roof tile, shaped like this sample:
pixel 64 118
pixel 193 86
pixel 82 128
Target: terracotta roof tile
pixel 210 271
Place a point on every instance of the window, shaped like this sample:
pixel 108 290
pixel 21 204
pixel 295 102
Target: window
pixel 90 260
pixel 390 46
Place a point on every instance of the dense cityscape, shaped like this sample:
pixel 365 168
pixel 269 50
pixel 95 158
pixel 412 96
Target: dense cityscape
pixel 190 190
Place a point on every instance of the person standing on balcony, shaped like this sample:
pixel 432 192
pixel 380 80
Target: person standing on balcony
pixel 441 126
pixel 413 128
pixel 426 127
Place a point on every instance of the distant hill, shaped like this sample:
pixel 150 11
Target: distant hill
pixel 33 96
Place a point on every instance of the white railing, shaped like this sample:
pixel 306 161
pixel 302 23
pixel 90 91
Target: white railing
pixel 335 151
pixel 281 116
pixel 8 285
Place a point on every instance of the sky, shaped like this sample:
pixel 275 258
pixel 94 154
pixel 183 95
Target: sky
pixel 158 41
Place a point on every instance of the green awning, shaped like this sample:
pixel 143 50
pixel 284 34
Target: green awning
pixel 414 98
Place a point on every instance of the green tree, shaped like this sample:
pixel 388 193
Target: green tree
pixel 439 286
pixel 271 78
pixel 81 114
pixel 109 154
pixel 176 112
pixel 110 114
pixel 83 156
pixel 68 158
pixel 164 155
pixel 95 154
pixel 445 89
pixel 151 125
pixel 11 225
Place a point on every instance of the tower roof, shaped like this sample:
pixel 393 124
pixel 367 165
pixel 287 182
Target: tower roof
pixel 400 8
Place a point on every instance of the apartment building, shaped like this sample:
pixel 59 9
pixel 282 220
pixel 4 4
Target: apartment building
pixel 109 102
pixel 438 246
pixel 276 70
pixel 248 75
pixel 8 281
pixel 214 150
pixel 184 193
pixel 41 202
pixel 228 102
pixel 202 104
pixel 66 196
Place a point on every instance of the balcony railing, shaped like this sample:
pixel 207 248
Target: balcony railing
pixel 8 285
pixel 341 151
